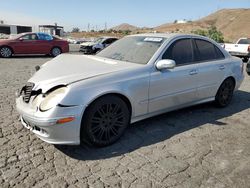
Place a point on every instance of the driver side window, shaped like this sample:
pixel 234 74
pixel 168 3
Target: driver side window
pixel 106 41
pixel 180 51
pixel 109 41
pixel 29 37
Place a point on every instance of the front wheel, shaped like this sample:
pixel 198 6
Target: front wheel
pixel 56 51
pixel 225 93
pixel 245 59
pixel 105 121
pixel 5 52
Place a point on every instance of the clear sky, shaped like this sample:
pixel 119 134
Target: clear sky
pixel 78 13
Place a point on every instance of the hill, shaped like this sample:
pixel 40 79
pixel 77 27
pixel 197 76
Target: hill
pixel 124 27
pixel 233 23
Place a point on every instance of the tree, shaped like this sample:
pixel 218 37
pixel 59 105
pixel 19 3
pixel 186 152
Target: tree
pixel 126 32
pixel 216 35
pixel 75 30
pixel 212 33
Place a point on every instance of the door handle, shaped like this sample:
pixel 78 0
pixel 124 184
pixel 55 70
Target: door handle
pixel 193 72
pixel 222 67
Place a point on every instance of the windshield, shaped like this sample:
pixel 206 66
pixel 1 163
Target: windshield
pixel 135 49
pixel 99 40
pixel 16 36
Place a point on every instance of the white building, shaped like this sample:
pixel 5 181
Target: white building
pixel 52 29
pixel 14 29
pixel 181 21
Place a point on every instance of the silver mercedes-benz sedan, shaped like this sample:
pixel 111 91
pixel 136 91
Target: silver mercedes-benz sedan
pixel 73 98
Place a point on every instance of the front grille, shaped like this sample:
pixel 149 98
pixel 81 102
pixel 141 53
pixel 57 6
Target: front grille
pixel 26 91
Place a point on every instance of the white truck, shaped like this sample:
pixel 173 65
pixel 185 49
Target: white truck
pixel 240 49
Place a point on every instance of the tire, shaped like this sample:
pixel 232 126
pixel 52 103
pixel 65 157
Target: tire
pixel 56 51
pixel 225 93
pixel 5 52
pixel 245 59
pixel 105 121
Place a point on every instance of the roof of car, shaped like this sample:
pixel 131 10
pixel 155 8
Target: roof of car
pixel 164 35
pixel 32 33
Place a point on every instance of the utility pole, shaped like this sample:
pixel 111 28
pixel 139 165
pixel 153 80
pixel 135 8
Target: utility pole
pixel 105 26
pixel 88 27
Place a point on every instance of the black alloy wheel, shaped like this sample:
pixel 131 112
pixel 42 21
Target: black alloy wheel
pixel 105 120
pixel 225 93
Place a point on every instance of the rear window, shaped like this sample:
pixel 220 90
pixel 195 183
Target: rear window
pixel 43 36
pixel 244 41
pixel 206 51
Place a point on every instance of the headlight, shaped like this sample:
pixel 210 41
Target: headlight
pixel 53 99
pixel 37 100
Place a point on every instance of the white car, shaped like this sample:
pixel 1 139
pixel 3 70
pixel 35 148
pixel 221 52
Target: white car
pixel 240 49
pixel 73 98
pixel 97 45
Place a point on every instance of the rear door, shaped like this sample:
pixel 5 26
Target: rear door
pixel 45 43
pixel 174 87
pixel 211 66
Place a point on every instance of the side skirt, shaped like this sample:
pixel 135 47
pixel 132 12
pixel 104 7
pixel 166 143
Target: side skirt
pixel 139 118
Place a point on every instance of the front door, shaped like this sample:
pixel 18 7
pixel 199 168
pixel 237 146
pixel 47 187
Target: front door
pixel 27 44
pixel 175 87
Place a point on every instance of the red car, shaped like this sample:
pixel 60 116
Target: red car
pixel 33 43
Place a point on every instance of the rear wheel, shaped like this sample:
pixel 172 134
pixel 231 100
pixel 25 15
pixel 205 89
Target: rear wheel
pixel 56 51
pixel 5 52
pixel 225 93
pixel 105 120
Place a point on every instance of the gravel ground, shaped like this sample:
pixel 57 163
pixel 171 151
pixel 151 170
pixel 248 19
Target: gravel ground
pixel 202 146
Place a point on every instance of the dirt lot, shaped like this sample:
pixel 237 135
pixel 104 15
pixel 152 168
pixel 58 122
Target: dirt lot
pixel 202 146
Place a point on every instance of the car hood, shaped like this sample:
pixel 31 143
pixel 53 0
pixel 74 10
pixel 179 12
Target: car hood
pixel 87 43
pixel 66 69
pixel 2 41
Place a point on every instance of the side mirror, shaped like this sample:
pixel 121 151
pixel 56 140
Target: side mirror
pixel 165 64
pixel 20 39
